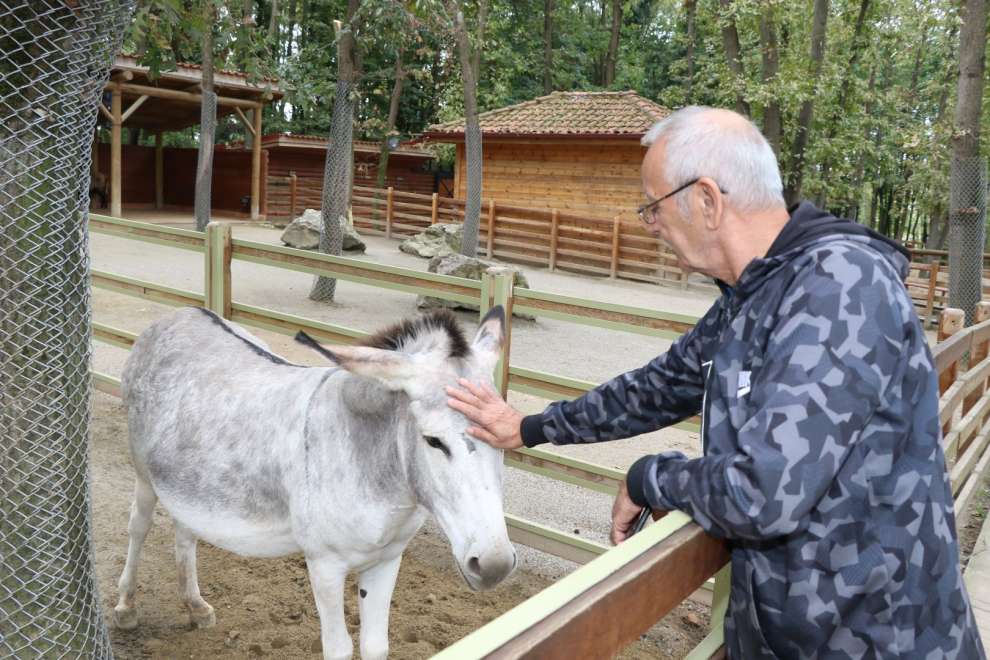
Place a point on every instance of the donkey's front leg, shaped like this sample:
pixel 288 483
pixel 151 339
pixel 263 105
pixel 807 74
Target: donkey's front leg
pixel 375 587
pixel 327 575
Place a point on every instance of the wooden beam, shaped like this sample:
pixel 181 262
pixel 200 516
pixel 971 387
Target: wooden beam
pixel 134 106
pixel 179 95
pixel 106 113
pixel 159 172
pixel 246 121
pixel 255 164
pixel 115 177
pixel 122 76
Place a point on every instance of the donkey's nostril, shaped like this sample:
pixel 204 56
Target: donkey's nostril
pixel 474 565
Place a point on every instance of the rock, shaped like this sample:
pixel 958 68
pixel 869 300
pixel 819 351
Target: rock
pixel 436 239
pixel 430 599
pixel 471 268
pixel 692 619
pixel 304 233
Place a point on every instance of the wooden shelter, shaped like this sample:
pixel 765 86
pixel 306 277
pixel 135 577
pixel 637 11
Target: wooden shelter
pixel 172 102
pixel 574 151
pixel 296 165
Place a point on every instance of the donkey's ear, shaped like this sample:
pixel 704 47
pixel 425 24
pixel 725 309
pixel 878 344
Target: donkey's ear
pixel 392 368
pixel 488 339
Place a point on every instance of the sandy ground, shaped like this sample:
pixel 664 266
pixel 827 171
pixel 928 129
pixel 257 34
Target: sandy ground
pixel 265 606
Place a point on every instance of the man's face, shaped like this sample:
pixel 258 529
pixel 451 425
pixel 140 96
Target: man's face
pixel 679 231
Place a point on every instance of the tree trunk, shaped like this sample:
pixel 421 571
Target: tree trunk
pixel 207 126
pixel 613 43
pixel 340 159
pixel 730 41
pixel 792 191
pixel 771 65
pixel 49 602
pixel 691 11
pixel 273 35
pixel 547 46
pixel 472 140
pixel 393 115
pixel 290 28
pixel 967 176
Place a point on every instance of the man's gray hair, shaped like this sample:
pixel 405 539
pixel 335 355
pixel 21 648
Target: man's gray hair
pixel 699 141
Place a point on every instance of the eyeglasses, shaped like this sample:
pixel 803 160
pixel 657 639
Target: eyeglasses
pixel 648 212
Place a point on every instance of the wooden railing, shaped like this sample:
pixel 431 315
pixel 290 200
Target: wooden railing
pixel 616 247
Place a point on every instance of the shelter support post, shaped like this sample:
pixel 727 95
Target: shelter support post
pixel 117 121
pixel 159 172
pixel 256 165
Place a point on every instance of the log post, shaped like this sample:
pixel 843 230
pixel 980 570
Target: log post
pixel 293 190
pixel 614 270
pixel 388 212
pixel 499 286
pixel 490 239
pixel 951 322
pixel 554 231
pixel 217 268
pixel 159 172
pixel 256 165
pixel 115 129
pixel 433 208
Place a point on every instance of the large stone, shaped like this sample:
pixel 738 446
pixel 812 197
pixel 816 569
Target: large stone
pixel 304 233
pixel 472 268
pixel 435 240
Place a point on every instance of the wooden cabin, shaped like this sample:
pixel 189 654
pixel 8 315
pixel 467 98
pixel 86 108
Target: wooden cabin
pixel 410 169
pixel 573 151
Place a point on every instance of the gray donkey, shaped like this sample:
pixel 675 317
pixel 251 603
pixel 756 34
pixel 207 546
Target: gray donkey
pixel 264 458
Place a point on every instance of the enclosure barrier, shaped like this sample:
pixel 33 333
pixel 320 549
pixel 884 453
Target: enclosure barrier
pixel 581 611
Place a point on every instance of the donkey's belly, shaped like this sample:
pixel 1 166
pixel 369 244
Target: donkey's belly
pixel 263 537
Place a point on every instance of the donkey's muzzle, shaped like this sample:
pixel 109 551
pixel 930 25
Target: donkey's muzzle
pixel 486 569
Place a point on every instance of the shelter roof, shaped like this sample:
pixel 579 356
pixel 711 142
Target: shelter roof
pixel 564 115
pixel 316 142
pixel 181 108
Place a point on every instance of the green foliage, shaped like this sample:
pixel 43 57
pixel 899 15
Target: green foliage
pixel 877 150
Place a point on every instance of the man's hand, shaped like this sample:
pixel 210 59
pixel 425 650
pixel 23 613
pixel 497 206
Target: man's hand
pixel 498 423
pixel 624 514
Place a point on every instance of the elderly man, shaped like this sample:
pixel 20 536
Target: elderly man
pixel 822 465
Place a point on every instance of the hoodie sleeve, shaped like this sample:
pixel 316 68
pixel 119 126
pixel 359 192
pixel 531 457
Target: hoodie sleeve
pixel 839 342
pixel 665 391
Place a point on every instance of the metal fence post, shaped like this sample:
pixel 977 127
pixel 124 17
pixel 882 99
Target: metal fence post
pixel 217 268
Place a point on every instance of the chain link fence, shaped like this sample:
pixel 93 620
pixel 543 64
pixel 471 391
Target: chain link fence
pixel 54 62
pixel 967 233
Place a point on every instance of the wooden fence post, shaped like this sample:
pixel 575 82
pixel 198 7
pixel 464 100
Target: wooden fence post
pixel 388 213
pixel 217 268
pixel 614 270
pixel 490 239
pixel 933 268
pixel 554 230
pixel 433 210
pixel 951 322
pixel 292 195
pixel 496 289
pixel 976 355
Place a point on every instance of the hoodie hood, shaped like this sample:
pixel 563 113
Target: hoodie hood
pixel 810 225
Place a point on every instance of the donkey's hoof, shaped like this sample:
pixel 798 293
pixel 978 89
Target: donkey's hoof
pixel 205 618
pixel 125 619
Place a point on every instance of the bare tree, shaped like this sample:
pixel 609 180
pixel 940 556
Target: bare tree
pixel 771 65
pixel 207 124
pixel 393 115
pixel 691 12
pixel 730 41
pixel 613 44
pixel 547 46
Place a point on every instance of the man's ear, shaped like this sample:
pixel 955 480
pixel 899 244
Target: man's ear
pixel 709 200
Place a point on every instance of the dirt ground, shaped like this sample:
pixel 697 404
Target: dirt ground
pixel 265 607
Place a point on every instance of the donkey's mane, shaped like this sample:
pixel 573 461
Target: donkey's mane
pixel 400 335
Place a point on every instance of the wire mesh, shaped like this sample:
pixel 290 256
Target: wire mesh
pixel 54 62
pixel 472 202
pixel 337 177
pixel 204 168
pixel 967 233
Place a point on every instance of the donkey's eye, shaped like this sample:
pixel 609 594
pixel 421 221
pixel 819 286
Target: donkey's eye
pixel 436 443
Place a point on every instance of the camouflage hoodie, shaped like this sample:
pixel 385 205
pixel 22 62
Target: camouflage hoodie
pixel 822 465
